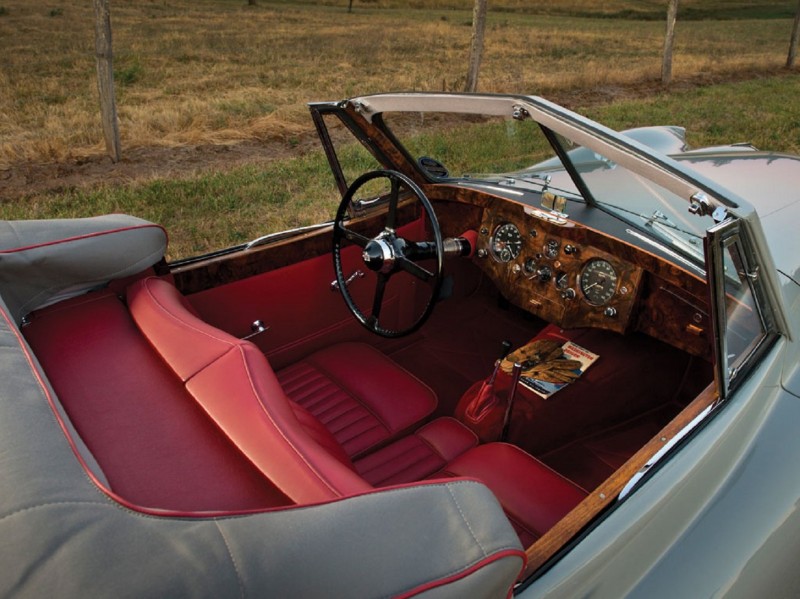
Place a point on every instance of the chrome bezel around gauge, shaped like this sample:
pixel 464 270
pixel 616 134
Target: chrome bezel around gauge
pixel 598 281
pixel 551 248
pixel 505 244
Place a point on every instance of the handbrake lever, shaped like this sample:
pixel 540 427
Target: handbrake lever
pixel 516 372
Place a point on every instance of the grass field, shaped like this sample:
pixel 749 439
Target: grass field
pixel 194 73
pixel 219 71
pixel 216 209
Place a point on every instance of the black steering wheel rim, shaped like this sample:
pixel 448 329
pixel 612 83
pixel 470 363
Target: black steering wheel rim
pixel 386 254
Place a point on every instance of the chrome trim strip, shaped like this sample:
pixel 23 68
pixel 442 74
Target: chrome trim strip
pixel 636 478
pixel 269 238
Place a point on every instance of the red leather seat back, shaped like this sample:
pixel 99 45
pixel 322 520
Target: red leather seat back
pixel 154 444
pixel 233 382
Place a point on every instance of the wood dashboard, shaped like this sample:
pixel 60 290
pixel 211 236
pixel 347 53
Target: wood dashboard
pixel 566 282
pixel 574 276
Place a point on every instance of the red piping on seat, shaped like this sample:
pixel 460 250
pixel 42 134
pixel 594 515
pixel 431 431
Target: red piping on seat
pixel 85 236
pixel 468 571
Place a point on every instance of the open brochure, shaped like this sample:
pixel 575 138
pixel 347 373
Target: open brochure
pixel 551 376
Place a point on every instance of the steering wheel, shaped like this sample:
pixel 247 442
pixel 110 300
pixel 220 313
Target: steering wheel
pixel 387 253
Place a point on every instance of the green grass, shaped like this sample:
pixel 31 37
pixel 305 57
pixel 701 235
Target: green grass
pixel 214 210
pixel 209 211
pixel 764 112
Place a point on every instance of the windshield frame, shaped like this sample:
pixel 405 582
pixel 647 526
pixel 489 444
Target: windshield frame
pixel 564 131
pixel 624 151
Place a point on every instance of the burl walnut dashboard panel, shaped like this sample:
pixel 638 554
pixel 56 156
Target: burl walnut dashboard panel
pixel 539 263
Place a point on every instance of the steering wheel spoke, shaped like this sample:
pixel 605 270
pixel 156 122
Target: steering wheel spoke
pixel 415 269
pixel 377 300
pixel 357 238
pixel 394 196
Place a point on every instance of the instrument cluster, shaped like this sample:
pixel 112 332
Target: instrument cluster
pixel 542 267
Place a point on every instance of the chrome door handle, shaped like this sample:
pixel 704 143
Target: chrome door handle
pixel 256 328
pixel 359 274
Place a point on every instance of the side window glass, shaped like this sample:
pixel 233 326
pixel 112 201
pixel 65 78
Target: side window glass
pixel 740 315
pixel 743 328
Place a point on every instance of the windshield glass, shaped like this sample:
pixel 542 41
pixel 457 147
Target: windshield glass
pixel 635 199
pixel 516 153
pixel 468 146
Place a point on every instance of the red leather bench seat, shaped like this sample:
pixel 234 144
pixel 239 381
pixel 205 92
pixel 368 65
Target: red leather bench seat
pixel 153 442
pixel 235 385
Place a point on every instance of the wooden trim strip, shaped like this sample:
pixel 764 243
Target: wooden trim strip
pixel 604 495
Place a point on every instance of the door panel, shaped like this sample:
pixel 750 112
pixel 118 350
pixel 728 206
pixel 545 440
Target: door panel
pixel 297 304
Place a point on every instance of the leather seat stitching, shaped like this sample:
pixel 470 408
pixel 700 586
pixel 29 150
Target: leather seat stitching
pixel 466 521
pixel 279 430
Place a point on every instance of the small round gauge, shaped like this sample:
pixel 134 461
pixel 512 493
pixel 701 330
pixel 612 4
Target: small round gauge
pixel 551 248
pixel 598 281
pixel 506 243
pixel 562 280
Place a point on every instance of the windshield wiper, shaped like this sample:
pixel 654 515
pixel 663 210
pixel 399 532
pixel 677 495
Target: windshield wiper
pixel 668 230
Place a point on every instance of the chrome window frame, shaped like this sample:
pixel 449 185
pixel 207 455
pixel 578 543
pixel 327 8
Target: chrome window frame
pixel 733 232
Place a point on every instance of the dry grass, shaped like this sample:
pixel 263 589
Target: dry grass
pixel 219 71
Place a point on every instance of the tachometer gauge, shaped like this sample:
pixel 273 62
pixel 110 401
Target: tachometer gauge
pixel 506 243
pixel 598 281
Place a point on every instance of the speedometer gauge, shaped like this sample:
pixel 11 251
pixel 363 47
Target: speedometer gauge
pixel 506 243
pixel 598 281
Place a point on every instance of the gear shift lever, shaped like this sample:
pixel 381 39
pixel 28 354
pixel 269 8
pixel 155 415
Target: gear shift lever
pixel 486 399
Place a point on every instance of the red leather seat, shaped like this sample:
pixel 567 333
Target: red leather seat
pixel 233 382
pixel 533 496
pixel 361 396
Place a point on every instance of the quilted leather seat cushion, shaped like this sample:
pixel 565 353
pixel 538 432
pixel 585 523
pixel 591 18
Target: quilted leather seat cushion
pixel 533 496
pixel 419 456
pixel 360 395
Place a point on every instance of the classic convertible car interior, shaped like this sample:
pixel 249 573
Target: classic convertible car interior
pixel 269 375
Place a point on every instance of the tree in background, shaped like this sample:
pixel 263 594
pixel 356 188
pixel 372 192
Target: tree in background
pixel 476 44
pixel 795 37
pixel 669 38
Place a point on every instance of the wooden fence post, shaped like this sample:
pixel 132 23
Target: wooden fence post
pixel 105 77
pixel 669 38
pixel 476 45
pixel 795 38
